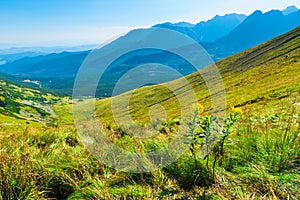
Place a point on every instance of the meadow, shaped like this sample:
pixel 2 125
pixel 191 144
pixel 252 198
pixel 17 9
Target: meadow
pixel 256 154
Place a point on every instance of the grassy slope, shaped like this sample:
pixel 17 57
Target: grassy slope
pixel 263 78
pixel 27 104
pixel 39 161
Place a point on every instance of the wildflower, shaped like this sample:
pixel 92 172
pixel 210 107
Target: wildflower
pixel 199 107
pixel 236 110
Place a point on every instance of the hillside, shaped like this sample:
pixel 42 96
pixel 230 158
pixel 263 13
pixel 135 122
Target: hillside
pixel 22 105
pixel 260 158
pixel 257 28
pixel 264 78
pixel 56 71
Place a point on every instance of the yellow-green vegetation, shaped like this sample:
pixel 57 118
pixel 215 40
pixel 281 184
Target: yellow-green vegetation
pixel 256 155
pixel 261 161
pixel 263 79
pixel 25 103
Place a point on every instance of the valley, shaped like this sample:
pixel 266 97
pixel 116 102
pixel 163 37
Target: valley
pixel 43 157
pixel 228 128
pixel 57 71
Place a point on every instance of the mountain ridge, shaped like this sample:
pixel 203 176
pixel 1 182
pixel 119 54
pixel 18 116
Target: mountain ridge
pixel 58 74
pixel 207 31
pixel 263 75
pixel 261 23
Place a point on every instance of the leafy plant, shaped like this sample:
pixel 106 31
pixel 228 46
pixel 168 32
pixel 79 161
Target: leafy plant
pixel 208 134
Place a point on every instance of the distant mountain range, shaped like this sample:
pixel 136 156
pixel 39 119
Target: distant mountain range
pixel 208 31
pixel 289 10
pixel 9 54
pixel 258 28
pixel 221 36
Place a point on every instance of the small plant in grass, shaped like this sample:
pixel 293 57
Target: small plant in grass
pixel 209 134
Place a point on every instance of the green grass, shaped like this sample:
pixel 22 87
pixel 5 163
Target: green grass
pixel 262 79
pixel 25 103
pixel 44 163
pixel 260 161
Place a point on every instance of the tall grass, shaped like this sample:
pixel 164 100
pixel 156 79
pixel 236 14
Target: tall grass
pixel 262 162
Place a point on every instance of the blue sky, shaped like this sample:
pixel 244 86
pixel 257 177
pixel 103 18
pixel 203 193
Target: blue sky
pixel 72 22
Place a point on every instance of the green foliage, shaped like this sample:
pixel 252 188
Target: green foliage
pixel 51 162
pixel 187 176
pixel 43 161
pixel 208 134
pixel 25 103
pixel 33 166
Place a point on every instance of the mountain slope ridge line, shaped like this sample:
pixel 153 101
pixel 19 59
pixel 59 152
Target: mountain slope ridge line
pixel 251 87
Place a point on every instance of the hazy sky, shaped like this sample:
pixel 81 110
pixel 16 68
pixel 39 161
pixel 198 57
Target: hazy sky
pixel 55 22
